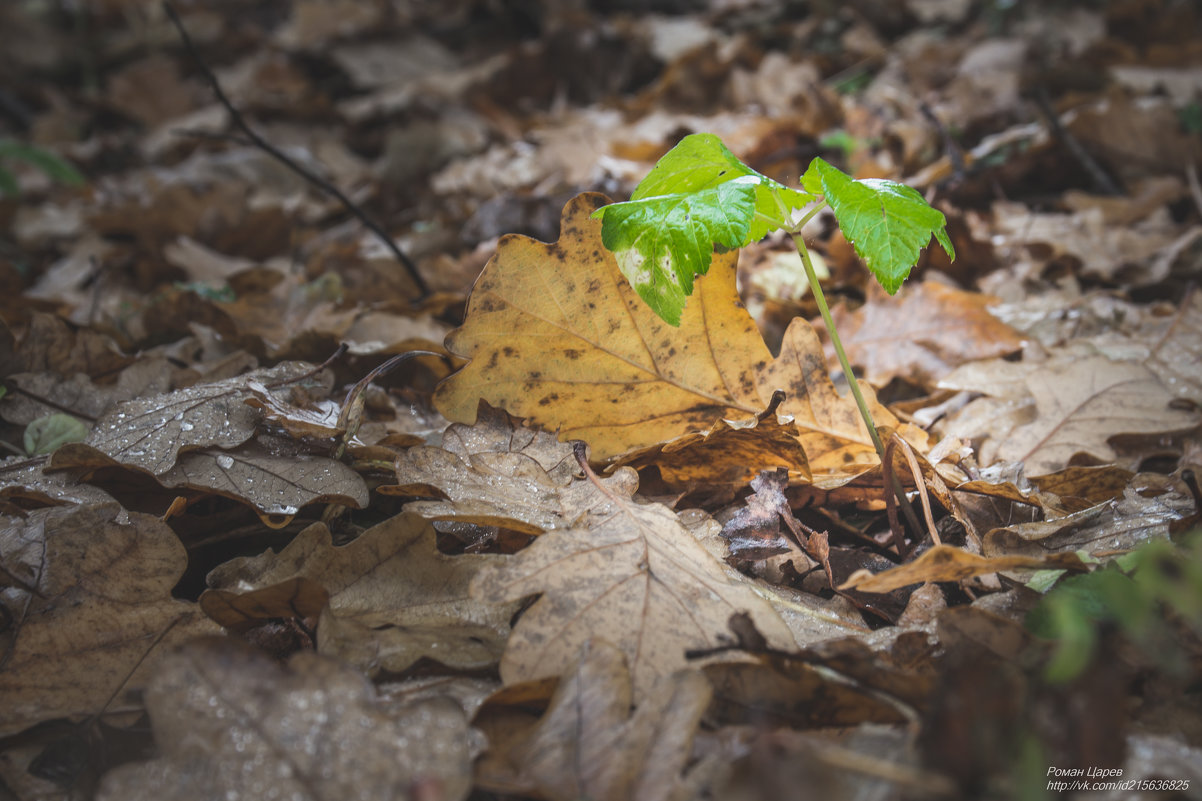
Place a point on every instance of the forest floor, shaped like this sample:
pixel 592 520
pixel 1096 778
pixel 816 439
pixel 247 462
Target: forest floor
pixel 289 512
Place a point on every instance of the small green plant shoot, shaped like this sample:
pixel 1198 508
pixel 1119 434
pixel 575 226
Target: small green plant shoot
pixel 700 196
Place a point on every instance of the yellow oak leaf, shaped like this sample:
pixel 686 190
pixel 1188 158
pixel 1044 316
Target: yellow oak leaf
pixel 556 335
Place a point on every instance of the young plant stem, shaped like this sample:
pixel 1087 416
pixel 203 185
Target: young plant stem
pixel 825 310
pixel 819 298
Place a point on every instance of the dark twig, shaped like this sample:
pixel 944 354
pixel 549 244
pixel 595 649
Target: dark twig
pixel 337 354
pixel 954 152
pixel 238 120
pixel 1101 179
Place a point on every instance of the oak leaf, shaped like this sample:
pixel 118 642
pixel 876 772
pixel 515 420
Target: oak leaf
pixel 393 598
pixel 590 745
pixel 556 335
pixel 635 577
pixel 1072 404
pixel 93 601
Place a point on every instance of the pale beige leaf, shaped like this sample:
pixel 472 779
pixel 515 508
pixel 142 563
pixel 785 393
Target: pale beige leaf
pixel 921 333
pixel 1081 405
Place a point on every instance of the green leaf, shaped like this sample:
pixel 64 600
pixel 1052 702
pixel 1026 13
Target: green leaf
pixel 8 183
pixel 46 434
pixel 661 242
pixel 889 223
pixel 698 196
pixel 54 166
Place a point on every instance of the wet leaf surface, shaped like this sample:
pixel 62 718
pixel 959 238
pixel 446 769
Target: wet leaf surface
pixel 232 721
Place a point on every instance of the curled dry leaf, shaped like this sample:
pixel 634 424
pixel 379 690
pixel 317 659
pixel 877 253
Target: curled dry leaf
pixel 231 722
pixel 589 745
pixel 635 577
pixel 1116 526
pixel 393 598
pixel 298 597
pixel 724 456
pixel 947 563
pixel 102 614
pixel 922 333
pixel 556 335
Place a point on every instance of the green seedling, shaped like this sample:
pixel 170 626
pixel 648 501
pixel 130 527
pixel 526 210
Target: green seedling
pixel 700 196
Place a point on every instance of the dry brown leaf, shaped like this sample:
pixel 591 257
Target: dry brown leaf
pixel 393 598
pixel 231 722
pixel 635 577
pixel 947 563
pixel 786 692
pixel 589 745
pixel 498 472
pixel 1118 525
pixel 1074 403
pixel 272 474
pixel 102 617
pixel 724 456
pixel 922 333
pixel 298 597
pixel 556 335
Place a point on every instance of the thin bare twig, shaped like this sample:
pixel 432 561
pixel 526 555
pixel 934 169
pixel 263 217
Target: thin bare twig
pixel 1102 180
pixel 238 120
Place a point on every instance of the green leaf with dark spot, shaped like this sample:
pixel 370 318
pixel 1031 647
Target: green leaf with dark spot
pixel 888 223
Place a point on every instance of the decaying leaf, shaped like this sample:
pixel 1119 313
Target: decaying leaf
pixel 24 480
pixel 635 577
pixel 275 478
pixel 393 598
pixel 499 473
pixel 555 334
pixel 1115 526
pixel 922 333
pixel 754 532
pixel 589 745
pixel 102 617
pixel 233 723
